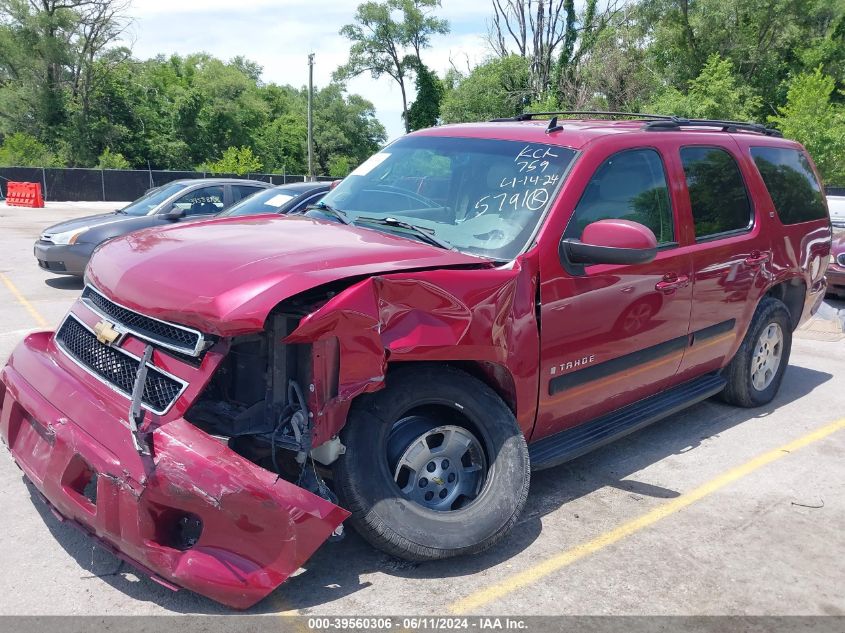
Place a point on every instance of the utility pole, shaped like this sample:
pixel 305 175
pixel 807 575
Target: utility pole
pixel 310 122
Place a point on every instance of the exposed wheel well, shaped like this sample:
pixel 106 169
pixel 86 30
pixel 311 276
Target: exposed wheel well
pixel 792 293
pixel 495 376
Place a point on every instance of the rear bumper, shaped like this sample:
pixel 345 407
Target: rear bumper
pixel 63 259
pixel 195 515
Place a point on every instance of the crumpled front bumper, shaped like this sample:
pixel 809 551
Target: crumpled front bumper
pixel 256 529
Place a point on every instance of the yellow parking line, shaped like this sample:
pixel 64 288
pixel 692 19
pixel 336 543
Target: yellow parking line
pixel 35 314
pixel 555 563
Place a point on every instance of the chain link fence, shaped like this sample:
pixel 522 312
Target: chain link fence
pixel 122 185
pixel 115 185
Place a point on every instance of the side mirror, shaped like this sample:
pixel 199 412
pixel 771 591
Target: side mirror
pixel 335 183
pixel 609 242
pixel 174 214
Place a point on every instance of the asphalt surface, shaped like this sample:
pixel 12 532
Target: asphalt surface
pixel 713 511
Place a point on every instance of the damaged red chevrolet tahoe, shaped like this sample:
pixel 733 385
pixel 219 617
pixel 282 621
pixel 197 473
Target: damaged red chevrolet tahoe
pixel 472 302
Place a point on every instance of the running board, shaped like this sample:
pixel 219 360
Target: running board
pixel 566 445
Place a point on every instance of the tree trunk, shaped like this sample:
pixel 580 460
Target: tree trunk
pixel 401 81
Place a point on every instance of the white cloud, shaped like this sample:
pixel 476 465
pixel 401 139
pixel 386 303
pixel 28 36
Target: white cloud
pixel 279 36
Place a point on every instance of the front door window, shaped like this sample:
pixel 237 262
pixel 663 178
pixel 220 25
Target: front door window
pixel 202 201
pixel 630 185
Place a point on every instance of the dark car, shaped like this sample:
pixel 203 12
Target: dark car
pixel 65 248
pixel 291 198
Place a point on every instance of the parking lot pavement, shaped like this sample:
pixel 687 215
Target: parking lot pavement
pixel 48 295
pixel 716 510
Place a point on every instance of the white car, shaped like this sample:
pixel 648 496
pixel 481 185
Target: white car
pixel 836 204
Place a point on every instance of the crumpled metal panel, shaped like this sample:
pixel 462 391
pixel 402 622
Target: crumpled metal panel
pixel 257 529
pixel 484 316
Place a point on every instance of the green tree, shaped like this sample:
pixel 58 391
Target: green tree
pixel 500 87
pixel 714 94
pixel 339 167
pixel 766 40
pixel 112 160
pixel 344 126
pixel 425 110
pixel 22 150
pixel 614 74
pixel 382 44
pixel 552 35
pixel 48 50
pixel 281 144
pixel 235 160
pixel 811 118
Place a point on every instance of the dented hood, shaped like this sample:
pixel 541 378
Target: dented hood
pixel 224 276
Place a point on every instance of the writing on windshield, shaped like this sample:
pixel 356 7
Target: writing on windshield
pixel 530 188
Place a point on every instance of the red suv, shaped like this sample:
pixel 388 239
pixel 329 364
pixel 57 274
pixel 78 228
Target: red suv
pixel 471 303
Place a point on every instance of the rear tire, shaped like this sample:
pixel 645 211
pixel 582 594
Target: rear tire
pixel 756 371
pixel 404 497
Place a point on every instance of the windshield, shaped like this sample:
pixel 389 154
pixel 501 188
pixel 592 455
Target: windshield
pixel 151 199
pixel 265 201
pixel 484 197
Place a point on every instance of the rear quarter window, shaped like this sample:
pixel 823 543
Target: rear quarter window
pixel 718 197
pixel 791 182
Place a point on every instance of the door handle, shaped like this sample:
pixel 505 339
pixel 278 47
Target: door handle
pixel 756 258
pixel 671 283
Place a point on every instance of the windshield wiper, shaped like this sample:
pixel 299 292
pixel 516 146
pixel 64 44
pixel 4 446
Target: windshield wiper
pixel 425 234
pixel 330 210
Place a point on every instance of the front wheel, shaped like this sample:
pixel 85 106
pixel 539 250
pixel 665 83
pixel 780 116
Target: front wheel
pixel 755 373
pixel 435 465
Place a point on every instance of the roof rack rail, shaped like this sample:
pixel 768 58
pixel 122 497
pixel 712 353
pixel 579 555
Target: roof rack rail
pixel 655 122
pixel 675 123
pixel 527 116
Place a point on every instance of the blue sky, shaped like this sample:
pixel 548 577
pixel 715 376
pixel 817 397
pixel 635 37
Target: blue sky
pixel 280 34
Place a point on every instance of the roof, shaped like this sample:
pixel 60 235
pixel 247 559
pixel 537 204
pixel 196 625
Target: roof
pixel 219 181
pixel 303 187
pixel 578 133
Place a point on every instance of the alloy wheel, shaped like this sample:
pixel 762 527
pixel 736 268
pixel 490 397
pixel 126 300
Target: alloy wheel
pixel 767 356
pixel 442 468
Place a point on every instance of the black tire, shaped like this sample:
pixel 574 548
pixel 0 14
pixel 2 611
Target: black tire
pixel 740 390
pixel 404 528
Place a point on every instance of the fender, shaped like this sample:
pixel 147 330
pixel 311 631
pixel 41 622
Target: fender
pixel 483 316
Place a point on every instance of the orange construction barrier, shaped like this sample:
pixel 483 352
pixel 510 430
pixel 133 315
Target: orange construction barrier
pixel 24 194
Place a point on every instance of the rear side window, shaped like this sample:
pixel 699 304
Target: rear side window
pixel 239 192
pixel 630 185
pixel 717 193
pixel 791 183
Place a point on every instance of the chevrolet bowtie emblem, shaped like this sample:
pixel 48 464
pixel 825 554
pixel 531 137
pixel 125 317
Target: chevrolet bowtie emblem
pixel 106 333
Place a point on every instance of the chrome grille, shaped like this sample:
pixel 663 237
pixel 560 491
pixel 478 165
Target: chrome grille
pixel 116 367
pixel 170 335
